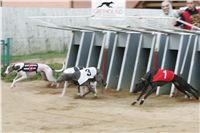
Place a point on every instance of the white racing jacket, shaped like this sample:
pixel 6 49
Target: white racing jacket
pixel 87 73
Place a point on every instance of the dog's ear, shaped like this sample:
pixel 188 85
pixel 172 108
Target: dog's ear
pixel 16 67
pixel 76 75
pixel 142 79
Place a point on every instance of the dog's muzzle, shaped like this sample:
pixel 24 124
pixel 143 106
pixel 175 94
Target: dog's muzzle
pixel 6 72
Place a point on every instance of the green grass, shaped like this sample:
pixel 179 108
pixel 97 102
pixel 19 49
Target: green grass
pixel 42 56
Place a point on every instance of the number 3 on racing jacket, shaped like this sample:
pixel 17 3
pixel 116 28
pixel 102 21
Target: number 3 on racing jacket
pixel 86 74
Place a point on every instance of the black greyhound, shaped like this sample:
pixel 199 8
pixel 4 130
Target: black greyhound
pixel 107 4
pixel 83 77
pixel 160 77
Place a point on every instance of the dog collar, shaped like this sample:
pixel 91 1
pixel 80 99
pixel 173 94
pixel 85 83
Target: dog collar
pixel 143 79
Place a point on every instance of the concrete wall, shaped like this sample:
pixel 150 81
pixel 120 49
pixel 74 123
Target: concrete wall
pixel 1 23
pixel 29 38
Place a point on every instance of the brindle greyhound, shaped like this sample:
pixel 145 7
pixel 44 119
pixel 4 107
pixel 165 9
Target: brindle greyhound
pixel 68 71
pixel 159 77
pixel 82 77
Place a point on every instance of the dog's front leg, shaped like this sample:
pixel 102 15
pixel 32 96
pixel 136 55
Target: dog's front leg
pixel 142 93
pixel 16 80
pixel 89 90
pixel 94 88
pixel 86 93
pixel 13 83
pixel 81 90
pixel 153 88
pixel 81 93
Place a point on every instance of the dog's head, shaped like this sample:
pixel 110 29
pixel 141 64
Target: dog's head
pixel 140 85
pixel 99 78
pixel 144 81
pixel 11 68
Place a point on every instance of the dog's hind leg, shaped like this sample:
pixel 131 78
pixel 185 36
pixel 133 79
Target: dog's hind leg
pixel 49 75
pixel 64 89
pixel 181 90
pixel 184 87
pixel 193 93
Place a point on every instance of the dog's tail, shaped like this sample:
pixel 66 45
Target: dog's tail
pixel 187 86
pixel 62 69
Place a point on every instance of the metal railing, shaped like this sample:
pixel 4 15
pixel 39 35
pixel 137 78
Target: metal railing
pixel 5 51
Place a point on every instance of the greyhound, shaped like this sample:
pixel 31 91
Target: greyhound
pixel 26 70
pixel 82 77
pixel 107 4
pixel 71 70
pixel 160 77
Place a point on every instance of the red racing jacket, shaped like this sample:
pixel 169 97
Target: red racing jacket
pixel 186 15
pixel 163 75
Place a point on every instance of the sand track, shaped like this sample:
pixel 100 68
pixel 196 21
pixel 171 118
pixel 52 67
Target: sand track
pixel 32 107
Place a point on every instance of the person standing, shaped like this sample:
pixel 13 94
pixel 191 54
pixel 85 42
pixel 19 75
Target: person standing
pixel 167 9
pixel 190 15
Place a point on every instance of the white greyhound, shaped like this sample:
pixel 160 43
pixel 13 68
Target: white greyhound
pixel 26 70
